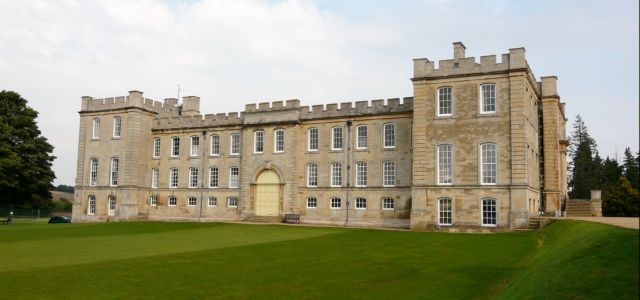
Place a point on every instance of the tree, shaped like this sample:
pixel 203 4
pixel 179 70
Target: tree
pixel 64 188
pixel 25 156
pixel 622 200
pixel 611 172
pixel 583 167
pixel 631 169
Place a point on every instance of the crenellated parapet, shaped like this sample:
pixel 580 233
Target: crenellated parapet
pixel 133 100
pixel 197 121
pixel 273 106
pixel 461 65
pixel 359 108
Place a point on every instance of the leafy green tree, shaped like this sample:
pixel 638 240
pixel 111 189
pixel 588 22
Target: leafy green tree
pixel 622 200
pixel 64 188
pixel 631 169
pixel 25 156
pixel 583 166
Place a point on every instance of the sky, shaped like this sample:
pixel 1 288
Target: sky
pixel 231 53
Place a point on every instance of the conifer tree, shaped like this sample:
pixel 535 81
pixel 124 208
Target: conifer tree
pixel 583 168
pixel 631 169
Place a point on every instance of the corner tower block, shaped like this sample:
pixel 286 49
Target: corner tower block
pixel 190 105
pixel 135 98
pixel 549 86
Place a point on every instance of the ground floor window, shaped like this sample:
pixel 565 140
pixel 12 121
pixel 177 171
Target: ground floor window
pixel 172 201
pixel 153 200
pixel 388 204
pixel 91 205
pixel 312 202
pixel 191 201
pixel 489 212
pixel 112 205
pixel 232 202
pixel 213 202
pixel 444 211
pixel 336 203
pixel 361 203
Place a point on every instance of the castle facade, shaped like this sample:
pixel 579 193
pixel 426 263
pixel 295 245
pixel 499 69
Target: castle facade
pixel 480 146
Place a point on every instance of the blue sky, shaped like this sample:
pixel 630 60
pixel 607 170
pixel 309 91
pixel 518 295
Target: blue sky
pixel 231 53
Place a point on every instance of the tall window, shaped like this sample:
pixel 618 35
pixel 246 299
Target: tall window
pixel 232 202
pixel 114 171
pixel 361 173
pixel 117 126
pixel 388 204
pixel 212 202
pixel 214 176
pixel 191 201
pixel 361 203
pixel 389 135
pixel 445 165
pixel 361 137
pixel 112 205
pixel 235 144
pixel 175 146
pixel 258 141
pixel 173 177
pixel 336 174
pixel 488 98
pixel 388 173
pixel 96 129
pixel 336 138
pixel 489 212
pixel 215 144
pixel 445 101
pixel 489 163
pixel 313 139
pixel 312 175
pixel 336 203
pixel 172 201
pixel 93 176
pixel 195 145
pixel 91 205
pixel 156 147
pixel 278 140
pixel 193 177
pixel 153 200
pixel 234 177
pixel 444 211
pixel 155 174
pixel 312 202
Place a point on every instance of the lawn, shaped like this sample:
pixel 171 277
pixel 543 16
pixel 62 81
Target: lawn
pixel 568 259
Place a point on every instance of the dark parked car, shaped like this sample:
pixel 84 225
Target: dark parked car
pixel 59 219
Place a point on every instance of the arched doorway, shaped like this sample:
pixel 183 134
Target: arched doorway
pixel 268 194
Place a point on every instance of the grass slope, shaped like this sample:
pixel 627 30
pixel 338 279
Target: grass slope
pixel 213 260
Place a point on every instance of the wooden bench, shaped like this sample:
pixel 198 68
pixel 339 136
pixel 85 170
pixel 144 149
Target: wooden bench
pixel 292 218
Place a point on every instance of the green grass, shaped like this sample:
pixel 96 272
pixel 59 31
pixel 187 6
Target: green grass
pixel 568 259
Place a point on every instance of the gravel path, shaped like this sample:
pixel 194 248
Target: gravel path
pixel 633 223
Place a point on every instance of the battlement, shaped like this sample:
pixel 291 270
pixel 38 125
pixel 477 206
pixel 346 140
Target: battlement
pixel 273 106
pixel 197 121
pixel 134 99
pixel 348 109
pixel 423 67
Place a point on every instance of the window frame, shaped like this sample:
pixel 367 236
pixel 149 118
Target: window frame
pixel 335 169
pixel 117 127
pixel 386 138
pixel 214 145
pixel 258 141
pixel 93 171
pixel 175 146
pixel 362 173
pixel 111 205
pixel 234 144
pixel 488 216
pixel 361 203
pixel 212 201
pixel 97 127
pixel 386 176
pixel 229 202
pixel 313 139
pixel 312 177
pixel 174 172
pixel 190 199
pixel 113 175
pixel 482 98
pixel 153 201
pixel 278 133
pixel 214 173
pixel 155 177
pixel 195 146
pixel 312 202
pixel 193 177
pixel 387 200
pixel 362 138
pixel 175 201
pixel 234 180
pixel 439 105
pixel 440 179
pixel 443 214
pixel 156 147
pixel 335 203
pixel 337 137
pixel 91 205
pixel 484 164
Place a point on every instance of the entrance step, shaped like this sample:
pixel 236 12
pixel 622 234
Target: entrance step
pixel 265 219
pixel 578 208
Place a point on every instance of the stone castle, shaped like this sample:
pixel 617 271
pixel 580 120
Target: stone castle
pixel 479 147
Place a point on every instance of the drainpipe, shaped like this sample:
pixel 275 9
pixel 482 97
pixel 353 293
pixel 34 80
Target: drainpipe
pixel 510 154
pixel 349 123
pixel 202 155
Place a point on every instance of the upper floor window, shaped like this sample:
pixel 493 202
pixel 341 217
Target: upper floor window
pixel 173 201
pixel 389 131
pixel 445 101
pixel 313 139
pixel 489 212
pixel 114 171
pixel 111 206
pixel 312 202
pixel 93 176
pixel 445 165
pixel 278 140
pixel 175 146
pixel 444 211
pixel 173 177
pixel 361 203
pixel 215 144
pixel 336 174
pixel 488 98
pixel 388 204
pixel 361 137
pixel 336 203
pixel 488 163
pixel 156 147
pixel 191 201
pixel 312 175
pixel 193 177
pixel 155 174
pixel 214 176
pixel 361 173
pixel 195 145
pixel 234 177
pixel 234 147
pixel 96 128
pixel 388 173
pixel 117 126
pixel 336 138
pixel 91 205
pixel 258 141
